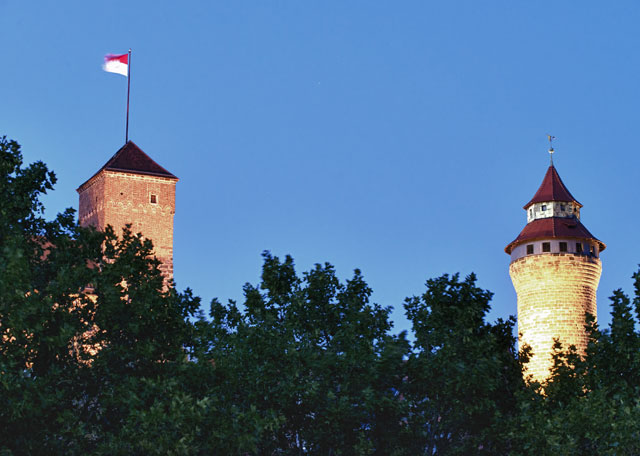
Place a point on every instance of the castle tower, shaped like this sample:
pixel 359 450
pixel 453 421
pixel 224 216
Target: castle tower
pixel 555 269
pixel 132 188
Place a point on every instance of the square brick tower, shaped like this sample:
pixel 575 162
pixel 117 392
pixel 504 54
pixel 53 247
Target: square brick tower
pixel 132 188
pixel 555 268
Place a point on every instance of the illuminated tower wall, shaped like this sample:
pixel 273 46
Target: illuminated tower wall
pixel 133 189
pixel 555 269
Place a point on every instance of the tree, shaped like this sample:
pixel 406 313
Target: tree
pixel 97 356
pixel 84 322
pixel 463 374
pixel 590 405
pixel 315 359
pixel 40 283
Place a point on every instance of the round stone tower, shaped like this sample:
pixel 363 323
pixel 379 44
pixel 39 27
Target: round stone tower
pixel 555 269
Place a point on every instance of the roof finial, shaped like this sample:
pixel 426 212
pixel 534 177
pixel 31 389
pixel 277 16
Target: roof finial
pixel 551 151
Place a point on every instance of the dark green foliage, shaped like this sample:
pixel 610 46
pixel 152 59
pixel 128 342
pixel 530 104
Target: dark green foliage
pixel 314 357
pixel 56 282
pixel 592 405
pixel 463 374
pixel 305 365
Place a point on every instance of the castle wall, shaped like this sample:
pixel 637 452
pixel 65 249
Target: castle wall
pixel 555 291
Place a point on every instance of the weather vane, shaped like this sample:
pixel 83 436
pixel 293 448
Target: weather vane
pixel 551 151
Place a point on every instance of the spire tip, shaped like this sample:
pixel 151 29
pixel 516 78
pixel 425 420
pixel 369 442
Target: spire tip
pixel 551 151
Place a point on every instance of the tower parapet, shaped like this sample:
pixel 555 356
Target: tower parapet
pixel 555 269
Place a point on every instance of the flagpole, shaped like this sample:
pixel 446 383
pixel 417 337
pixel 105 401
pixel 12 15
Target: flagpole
pixel 126 138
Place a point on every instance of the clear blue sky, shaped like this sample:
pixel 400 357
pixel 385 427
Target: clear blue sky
pixel 401 138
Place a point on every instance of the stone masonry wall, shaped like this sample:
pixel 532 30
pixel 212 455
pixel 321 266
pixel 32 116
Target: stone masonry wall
pixel 116 199
pixel 555 291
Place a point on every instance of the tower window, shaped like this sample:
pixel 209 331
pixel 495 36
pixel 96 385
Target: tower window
pixel 530 249
pixel 544 207
pixel 153 198
pixel 562 207
pixel 563 246
pixel 579 247
pixel 546 246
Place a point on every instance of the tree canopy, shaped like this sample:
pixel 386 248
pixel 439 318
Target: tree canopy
pixel 97 356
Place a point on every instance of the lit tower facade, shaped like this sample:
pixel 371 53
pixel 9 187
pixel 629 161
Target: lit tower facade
pixel 132 188
pixel 555 269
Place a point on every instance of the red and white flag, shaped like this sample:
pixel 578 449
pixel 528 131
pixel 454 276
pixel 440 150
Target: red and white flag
pixel 116 64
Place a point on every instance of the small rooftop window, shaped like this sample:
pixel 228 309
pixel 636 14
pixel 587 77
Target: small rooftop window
pixel 546 246
pixel 530 249
pixel 563 246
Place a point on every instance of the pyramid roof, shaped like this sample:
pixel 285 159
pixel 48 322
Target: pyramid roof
pixel 131 159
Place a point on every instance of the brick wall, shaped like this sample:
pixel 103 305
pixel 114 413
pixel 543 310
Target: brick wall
pixel 114 198
pixel 91 207
pixel 554 293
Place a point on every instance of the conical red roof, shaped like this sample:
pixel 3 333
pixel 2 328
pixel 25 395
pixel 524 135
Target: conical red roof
pixel 552 189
